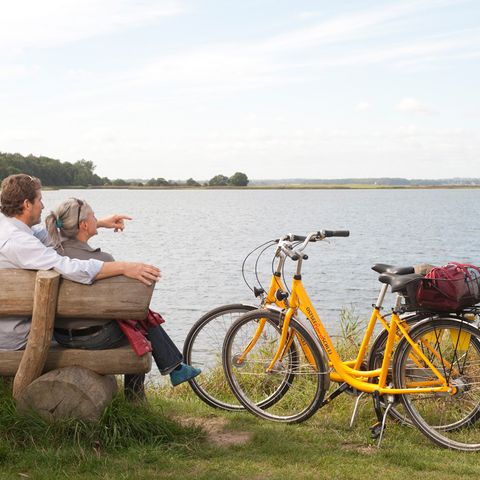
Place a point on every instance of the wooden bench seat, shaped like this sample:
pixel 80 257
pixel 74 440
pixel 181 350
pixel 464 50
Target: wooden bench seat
pixel 44 295
pixel 116 361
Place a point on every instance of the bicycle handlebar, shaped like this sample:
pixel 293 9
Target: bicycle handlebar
pixel 336 233
pixel 315 236
pixel 296 253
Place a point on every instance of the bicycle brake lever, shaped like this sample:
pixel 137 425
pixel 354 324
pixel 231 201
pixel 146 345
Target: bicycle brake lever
pixel 258 291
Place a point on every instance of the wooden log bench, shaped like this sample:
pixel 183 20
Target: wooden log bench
pixel 44 296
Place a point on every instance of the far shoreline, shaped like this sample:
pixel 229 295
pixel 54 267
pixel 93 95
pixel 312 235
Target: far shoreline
pixel 267 187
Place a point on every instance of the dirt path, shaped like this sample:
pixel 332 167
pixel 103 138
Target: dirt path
pixel 216 429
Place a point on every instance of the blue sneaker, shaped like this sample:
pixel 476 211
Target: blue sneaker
pixel 184 373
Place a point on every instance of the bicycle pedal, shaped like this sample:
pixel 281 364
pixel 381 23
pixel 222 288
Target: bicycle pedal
pixel 376 430
pixel 238 361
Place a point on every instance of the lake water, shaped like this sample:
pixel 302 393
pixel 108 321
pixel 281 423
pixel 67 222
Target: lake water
pixel 199 239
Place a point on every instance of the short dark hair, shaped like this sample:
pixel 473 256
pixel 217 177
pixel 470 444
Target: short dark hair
pixel 15 190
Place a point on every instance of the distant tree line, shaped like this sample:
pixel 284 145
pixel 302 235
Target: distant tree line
pixel 238 179
pixel 51 172
pixel 55 173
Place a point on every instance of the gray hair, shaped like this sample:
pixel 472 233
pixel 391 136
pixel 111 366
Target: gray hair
pixel 64 221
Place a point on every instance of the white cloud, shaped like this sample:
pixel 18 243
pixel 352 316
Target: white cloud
pixel 350 26
pixel 31 23
pixel 363 107
pixel 199 74
pixel 9 71
pixel 220 69
pixel 200 153
pixel 412 105
pixel 224 68
pixel 422 51
pixel 309 15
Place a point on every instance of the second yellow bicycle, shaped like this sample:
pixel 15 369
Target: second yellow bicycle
pixel 435 370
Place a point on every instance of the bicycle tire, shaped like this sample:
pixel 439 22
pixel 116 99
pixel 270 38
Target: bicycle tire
pixel 306 384
pixel 453 347
pixel 203 348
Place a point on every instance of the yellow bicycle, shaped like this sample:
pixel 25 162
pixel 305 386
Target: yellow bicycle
pixel 435 369
pixel 203 344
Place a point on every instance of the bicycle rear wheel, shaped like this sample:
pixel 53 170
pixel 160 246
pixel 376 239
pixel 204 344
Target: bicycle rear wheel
pixel 294 390
pixel 453 347
pixel 203 349
pixel 397 410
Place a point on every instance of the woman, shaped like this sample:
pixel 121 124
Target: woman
pixel 70 227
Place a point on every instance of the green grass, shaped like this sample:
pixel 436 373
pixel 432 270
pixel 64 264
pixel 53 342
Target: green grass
pixel 143 442
pixel 122 425
pixel 173 437
pixel 73 449
pixel 325 447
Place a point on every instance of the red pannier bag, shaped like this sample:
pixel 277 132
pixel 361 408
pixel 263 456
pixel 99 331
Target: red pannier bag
pixel 450 288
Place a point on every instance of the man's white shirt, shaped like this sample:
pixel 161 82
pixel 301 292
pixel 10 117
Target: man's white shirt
pixel 27 248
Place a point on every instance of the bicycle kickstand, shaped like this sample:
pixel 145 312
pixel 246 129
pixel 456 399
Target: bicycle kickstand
pixel 380 438
pixel 355 409
pixel 379 428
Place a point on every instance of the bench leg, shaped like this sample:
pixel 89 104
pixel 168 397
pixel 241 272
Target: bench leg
pixel 134 387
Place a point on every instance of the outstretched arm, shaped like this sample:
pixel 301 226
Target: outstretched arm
pixel 117 222
pixel 139 271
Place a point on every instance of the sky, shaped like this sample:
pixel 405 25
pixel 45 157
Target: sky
pixel 272 88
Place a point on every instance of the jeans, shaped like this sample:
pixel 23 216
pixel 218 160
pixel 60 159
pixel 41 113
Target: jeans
pixel 109 336
pixel 165 353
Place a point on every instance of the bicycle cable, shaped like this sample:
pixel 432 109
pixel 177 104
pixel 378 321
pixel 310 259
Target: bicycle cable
pixel 246 258
pixel 271 244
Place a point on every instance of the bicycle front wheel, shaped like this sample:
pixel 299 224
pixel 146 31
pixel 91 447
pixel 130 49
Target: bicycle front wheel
pixel 296 386
pixel 203 349
pixel 453 348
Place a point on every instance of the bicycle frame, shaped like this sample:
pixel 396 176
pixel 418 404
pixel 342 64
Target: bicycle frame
pixel 349 371
pixel 271 299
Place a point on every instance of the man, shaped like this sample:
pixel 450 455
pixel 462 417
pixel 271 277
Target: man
pixel 24 244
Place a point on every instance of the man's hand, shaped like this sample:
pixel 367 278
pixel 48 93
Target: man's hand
pixel 143 272
pixel 146 274
pixel 117 222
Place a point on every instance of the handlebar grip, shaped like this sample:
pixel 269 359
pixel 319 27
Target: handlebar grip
pixel 292 238
pixel 299 238
pixel 336 233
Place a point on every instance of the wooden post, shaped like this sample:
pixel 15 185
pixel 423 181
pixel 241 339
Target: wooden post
pixel 71 392
pixel 40 336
